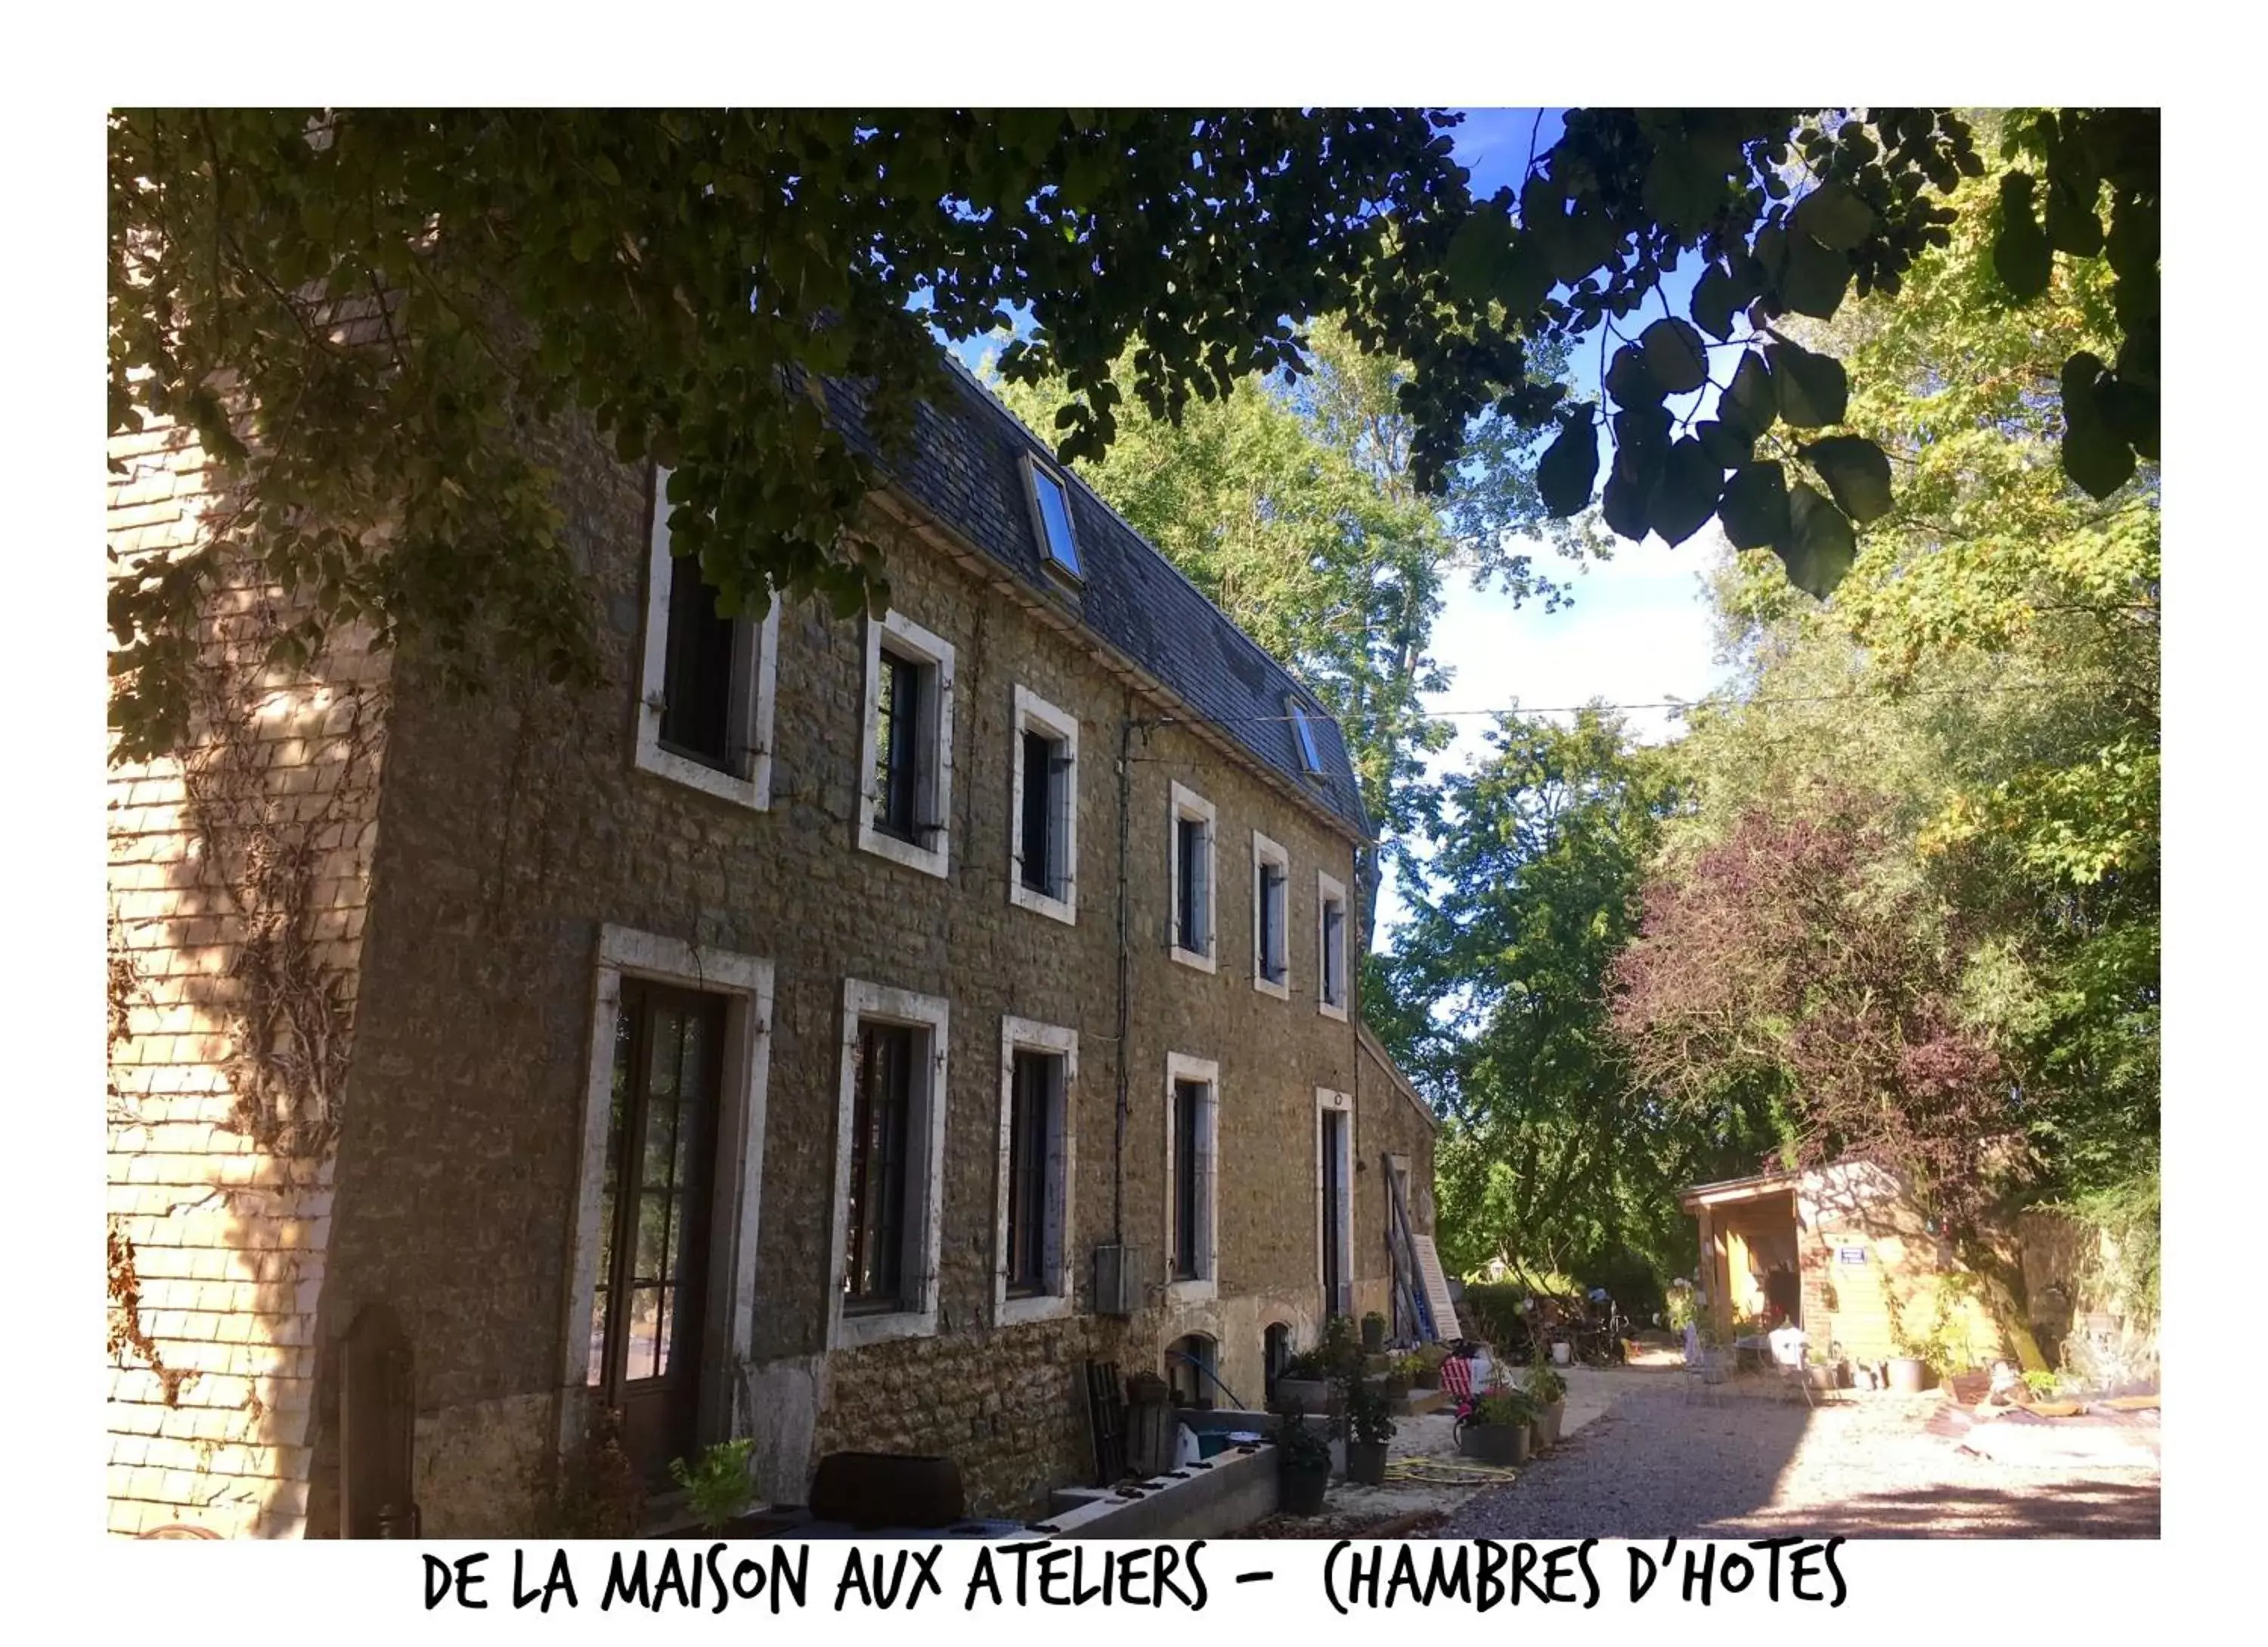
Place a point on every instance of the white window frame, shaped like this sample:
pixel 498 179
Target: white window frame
pixel 911 639
pixel 746 983
pixel 1057 1299
pixel 925 1188
pixel 1329 891
pixel 1329 1102
pixel 756 670
pixel 1035 714
pixel 1205 1287
pixel 1188 803
pixel 1267 851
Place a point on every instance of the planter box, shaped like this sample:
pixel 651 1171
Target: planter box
pixel 1494 1443
pixel 1908 1375
pixel 1310 1395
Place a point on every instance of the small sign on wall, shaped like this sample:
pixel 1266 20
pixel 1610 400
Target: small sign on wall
pixel 1850 1255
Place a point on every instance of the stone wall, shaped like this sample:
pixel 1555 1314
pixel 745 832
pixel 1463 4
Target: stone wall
pixel 239 883
pixel 514 826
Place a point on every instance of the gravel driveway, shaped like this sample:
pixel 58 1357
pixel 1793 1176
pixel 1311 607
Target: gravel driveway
pixel 1661 1464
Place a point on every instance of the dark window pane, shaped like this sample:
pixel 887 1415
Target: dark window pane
pixel 897 746
pixel 1334 1182
pixel 1038 822
pixel 1270 893
pixel 1189 1096
pixel 1334 944
pixel 1305 732
pixel 696 688
pixel 880 1121
pixel 1031 1142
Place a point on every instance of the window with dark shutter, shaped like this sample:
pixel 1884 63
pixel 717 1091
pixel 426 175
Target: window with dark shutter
pixel 1188 1101
pixel 898 746
pixel 697 670
pixel 1269 892
pixel 1334 953
pixel 1190 931
pixel 874 1278
pixel 1042 854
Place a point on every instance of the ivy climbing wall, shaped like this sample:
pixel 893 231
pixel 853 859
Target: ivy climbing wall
pixel 239 881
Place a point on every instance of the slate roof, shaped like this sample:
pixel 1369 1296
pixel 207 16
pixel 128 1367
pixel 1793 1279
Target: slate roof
pixel 965 467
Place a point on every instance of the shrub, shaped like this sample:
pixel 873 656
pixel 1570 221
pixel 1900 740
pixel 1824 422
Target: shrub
pixel 717 1487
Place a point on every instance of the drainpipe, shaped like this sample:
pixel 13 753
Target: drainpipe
pixel 1125 982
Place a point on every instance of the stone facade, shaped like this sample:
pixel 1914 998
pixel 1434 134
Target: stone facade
pixel 520 863
pixel 239 883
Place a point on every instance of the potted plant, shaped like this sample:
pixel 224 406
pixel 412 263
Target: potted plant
pixel 717 1488
pixel 1549 1391
pixel 1825 1367
pixel 1371 1426
pixel 1304 1383
pixel 1428 1364
pixel 1303 1466
pixel 1494 1426
pixel 1373 1334
pixel 1407 1373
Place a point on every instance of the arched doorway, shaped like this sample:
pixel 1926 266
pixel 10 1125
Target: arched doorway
pixel 1191 1363
pixel 1275 1354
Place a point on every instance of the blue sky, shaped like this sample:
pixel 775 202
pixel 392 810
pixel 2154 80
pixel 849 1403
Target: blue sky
pixel 1636 632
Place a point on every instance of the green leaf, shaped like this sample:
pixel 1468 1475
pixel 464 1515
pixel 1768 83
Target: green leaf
pixel 1856 472
pixel 2098 460
pixel 1751 401
pixel 1480 256
pixel 1819 546
pixel 1813 391
pixel 1834 217
pixel 1623 506
pixel 2072 225
pixel 1683 190
pixel 1686 494
pixel 1815 277
pixel 1728 443
pixel 1575 246
pixel 1675 357
pixel 1770 249
pixel 1753 509
pixel 1569 466
pixel 1716 299
pixel 2021 255
pixel 1629 380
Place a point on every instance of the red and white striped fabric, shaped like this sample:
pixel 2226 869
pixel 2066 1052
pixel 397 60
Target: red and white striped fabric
pixel 1457 1376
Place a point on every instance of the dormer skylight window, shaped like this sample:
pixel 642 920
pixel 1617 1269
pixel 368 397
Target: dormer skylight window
pixel 1051 519
pixel 1303 732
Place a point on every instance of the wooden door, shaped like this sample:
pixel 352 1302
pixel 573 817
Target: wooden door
pixel 653 1272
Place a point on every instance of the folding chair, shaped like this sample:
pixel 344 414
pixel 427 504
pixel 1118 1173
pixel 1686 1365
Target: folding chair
pixel 1704 1368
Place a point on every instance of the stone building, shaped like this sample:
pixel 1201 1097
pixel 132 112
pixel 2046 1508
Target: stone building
pixel 839 1032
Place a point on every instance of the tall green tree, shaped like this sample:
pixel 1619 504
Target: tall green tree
pixel 1499 1003
pixel 1950 771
